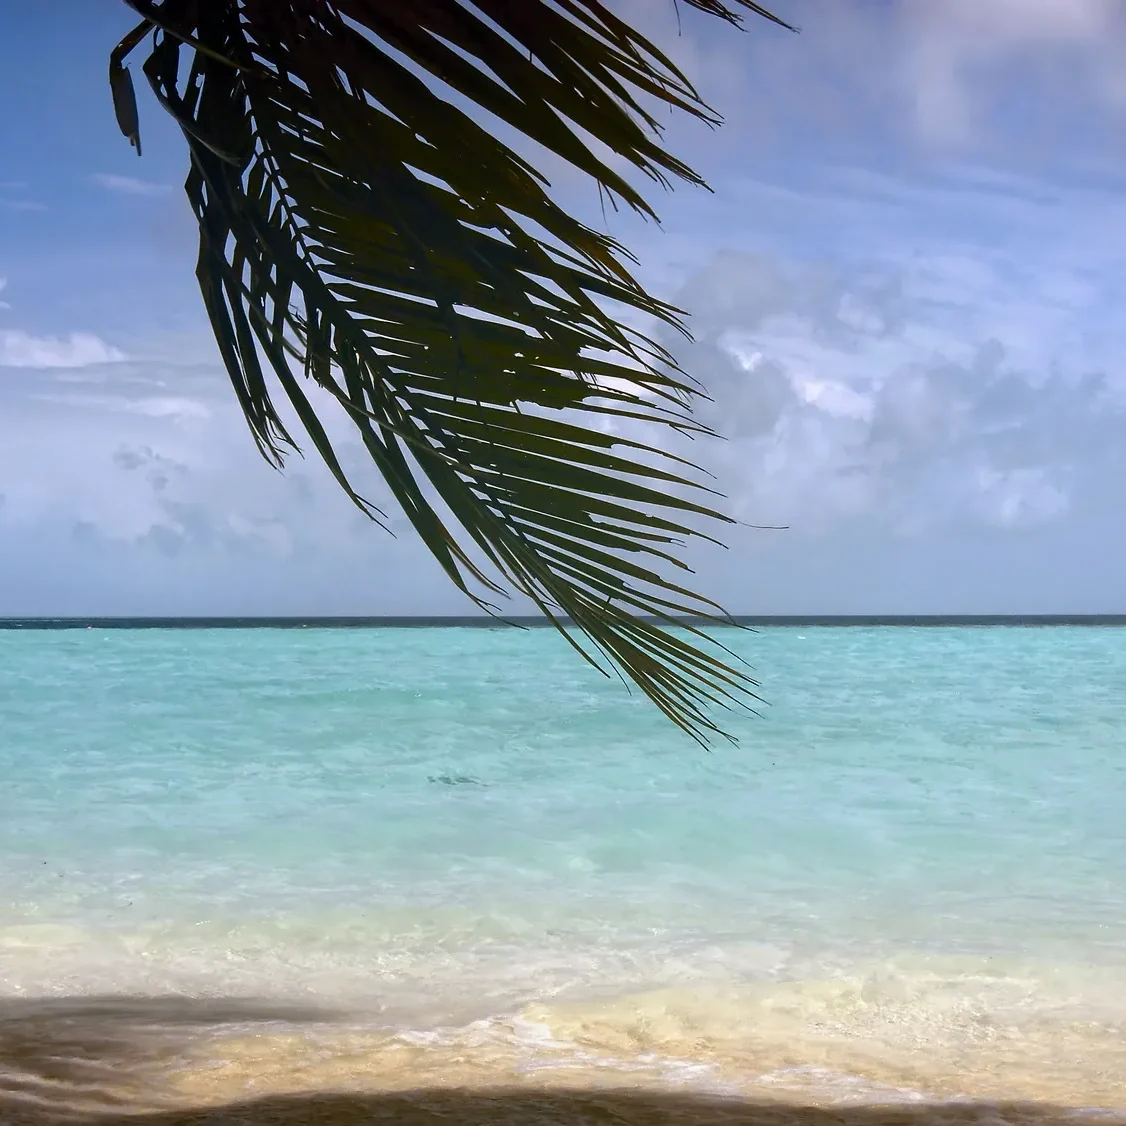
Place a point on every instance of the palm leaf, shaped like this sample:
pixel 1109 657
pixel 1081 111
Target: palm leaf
pixel 360 231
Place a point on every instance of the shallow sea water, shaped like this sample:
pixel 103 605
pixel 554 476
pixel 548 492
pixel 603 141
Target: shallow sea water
pixel 238 864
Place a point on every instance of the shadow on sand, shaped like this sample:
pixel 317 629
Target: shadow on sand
pixel 90 1062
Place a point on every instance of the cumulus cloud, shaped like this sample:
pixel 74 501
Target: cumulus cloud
pixel 847 412
pixel 134 487
pixel 23 350
pixel 956 51
pixel 842 404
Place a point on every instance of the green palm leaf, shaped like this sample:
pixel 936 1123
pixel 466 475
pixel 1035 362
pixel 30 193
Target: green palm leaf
pixel 361 231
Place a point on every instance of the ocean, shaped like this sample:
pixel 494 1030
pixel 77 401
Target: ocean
pixel 247 862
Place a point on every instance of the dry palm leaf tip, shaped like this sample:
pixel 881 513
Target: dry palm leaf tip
pixel 361 230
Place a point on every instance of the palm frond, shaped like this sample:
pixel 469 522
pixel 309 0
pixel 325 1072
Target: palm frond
pixel 361 232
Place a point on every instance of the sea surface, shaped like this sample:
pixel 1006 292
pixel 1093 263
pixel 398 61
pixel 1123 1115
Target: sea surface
pixel 237 862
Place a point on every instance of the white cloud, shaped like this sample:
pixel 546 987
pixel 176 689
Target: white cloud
pixel 845 402
pixel 151 406
pixel 955 49
pixel 23 350
pixel 3 286
pixel 129 185
pixel 126 461
pixel 834 398
pixel 1016 82
pixel 169 406
pixel 113 505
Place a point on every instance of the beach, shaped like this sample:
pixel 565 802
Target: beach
pixel 246 865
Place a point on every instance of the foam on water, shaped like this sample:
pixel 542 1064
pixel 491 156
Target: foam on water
pixel 483 866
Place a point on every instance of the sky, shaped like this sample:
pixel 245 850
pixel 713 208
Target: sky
pixel 905 293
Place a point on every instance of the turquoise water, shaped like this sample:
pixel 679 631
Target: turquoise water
pixel 910 876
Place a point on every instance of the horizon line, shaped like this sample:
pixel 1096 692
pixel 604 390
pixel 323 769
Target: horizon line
pixel 485 621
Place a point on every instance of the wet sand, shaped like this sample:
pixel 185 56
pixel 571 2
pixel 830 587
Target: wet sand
pixel 172 1062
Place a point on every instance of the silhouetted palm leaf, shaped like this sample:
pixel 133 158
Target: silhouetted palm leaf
pixel 359 230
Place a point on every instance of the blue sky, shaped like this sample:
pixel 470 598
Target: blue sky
pixel 906 295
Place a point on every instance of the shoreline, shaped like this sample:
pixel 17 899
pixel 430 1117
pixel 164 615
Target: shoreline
pixel 905 885
pixel 764 1048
